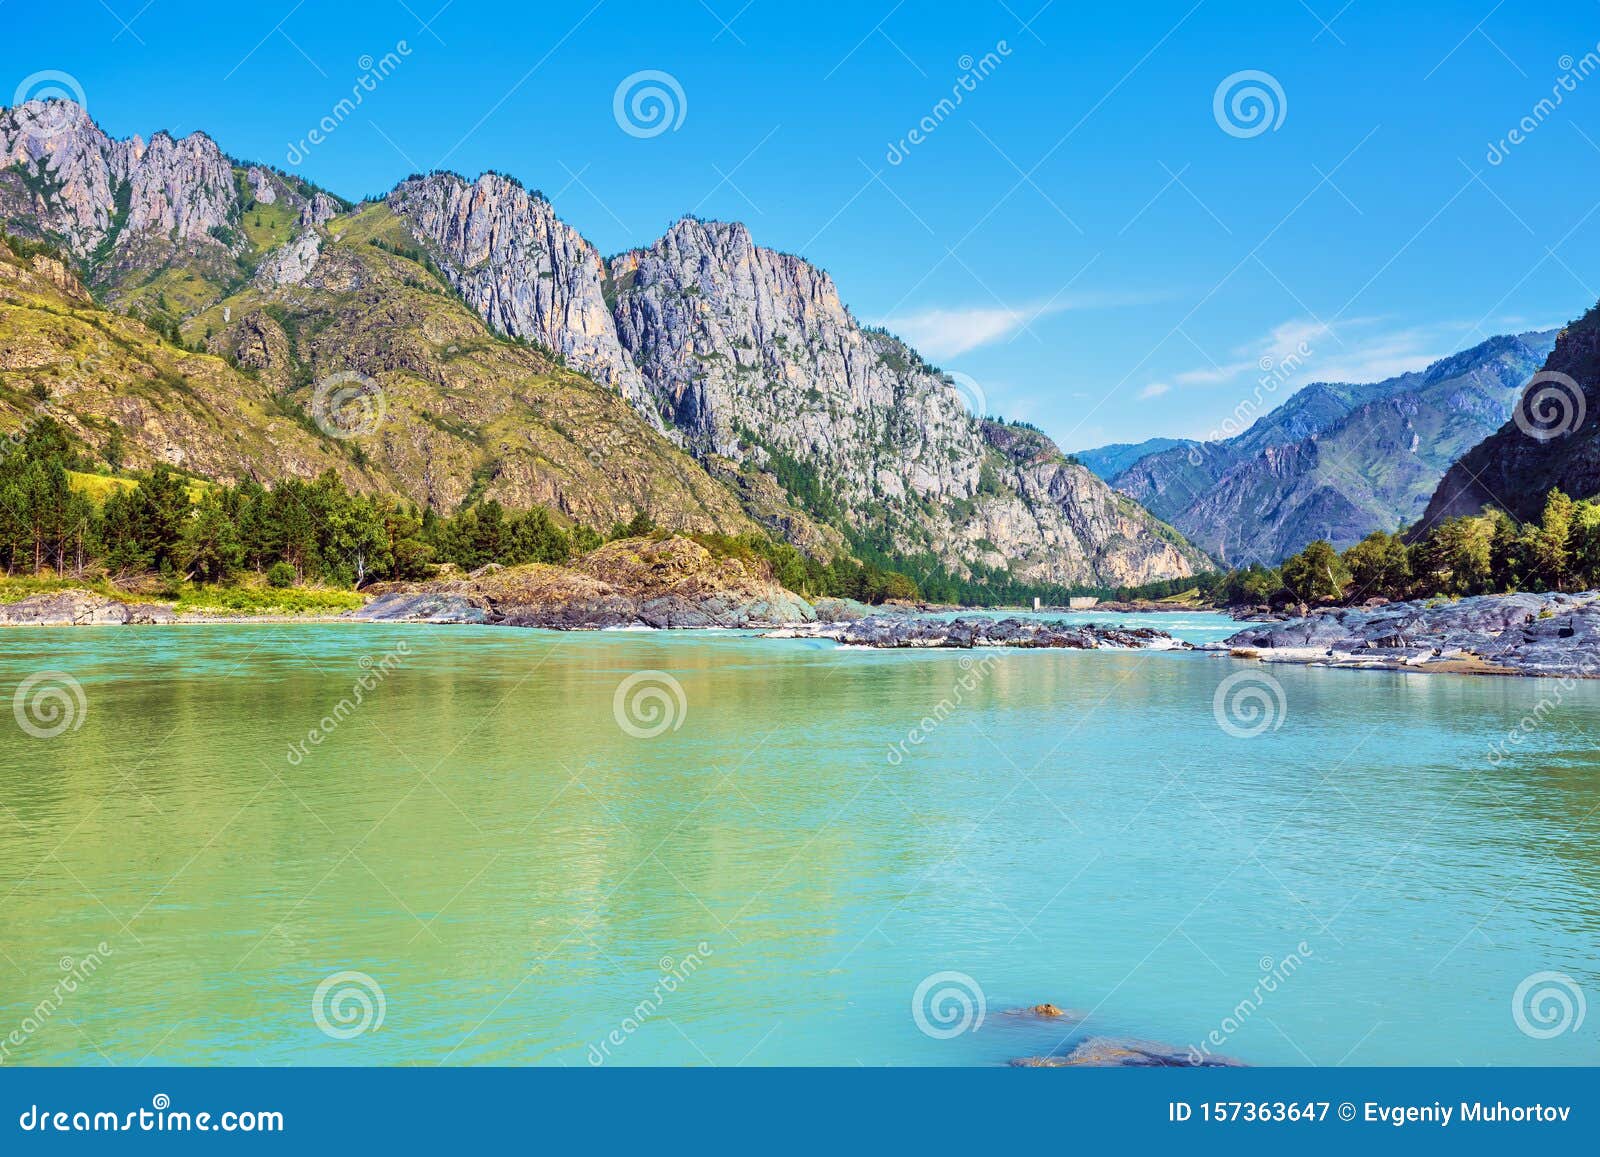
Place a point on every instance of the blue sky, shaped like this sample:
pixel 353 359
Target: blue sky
pixel 1081 236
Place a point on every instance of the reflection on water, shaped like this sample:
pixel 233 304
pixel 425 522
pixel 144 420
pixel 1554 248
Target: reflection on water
pixel 508 875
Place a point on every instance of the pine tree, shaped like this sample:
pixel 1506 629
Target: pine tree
pixel 210 549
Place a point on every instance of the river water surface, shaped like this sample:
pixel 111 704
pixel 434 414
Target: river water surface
pixel 490 858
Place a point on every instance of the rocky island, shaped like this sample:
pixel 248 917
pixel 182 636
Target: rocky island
pixel 966 631
pixel 1521 634
pixel 657 583
pixel 674 582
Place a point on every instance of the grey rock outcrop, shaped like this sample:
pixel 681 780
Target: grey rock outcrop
pixel 899 631
pixel 262 186
pixel 319 210
pixel 291 264
pixel 524 270
pixel 1117 1052
pixel 79 184
pixel 1521 634
pixel 424 607
pixel 80 608
pixel 665 612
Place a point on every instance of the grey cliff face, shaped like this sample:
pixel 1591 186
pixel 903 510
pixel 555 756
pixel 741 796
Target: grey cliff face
pixel 181 189
pixel 319 210
pixel 730 336
pixel 262 186
pixel 523 269
pixel 751 351
pixel 88 188
pixel 292 263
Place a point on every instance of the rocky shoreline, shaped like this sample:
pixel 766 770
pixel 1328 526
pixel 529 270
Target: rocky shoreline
pixel 905 631
pixel 675 584
pixel 79 608
pixel 668 583
pixel 479 601
pixel 1555 635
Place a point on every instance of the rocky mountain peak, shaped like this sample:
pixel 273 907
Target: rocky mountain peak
pixel 84 188
pixel 182 189
pixel 522 268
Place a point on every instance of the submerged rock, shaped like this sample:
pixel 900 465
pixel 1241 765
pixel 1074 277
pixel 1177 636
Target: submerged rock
pixel 1520 634
pixel 1113 1052
pixel 890 631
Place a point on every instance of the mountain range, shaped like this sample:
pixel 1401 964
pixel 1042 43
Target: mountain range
pixel 201 306
pixel 1334 461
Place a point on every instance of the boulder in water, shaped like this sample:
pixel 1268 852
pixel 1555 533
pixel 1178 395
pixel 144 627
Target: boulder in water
pixel 1098 1052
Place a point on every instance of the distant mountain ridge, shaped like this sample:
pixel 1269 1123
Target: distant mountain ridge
pixel 1110 461
pixel 1335 460
pixel 745 359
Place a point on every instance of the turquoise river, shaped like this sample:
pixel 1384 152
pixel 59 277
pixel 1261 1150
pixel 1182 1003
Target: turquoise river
pixel 364 844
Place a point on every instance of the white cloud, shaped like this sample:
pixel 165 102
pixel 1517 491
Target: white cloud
pixel 1213 375
pixel 948 333
pixel 1369 356
pixel 1154 390
pixel 1304 350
